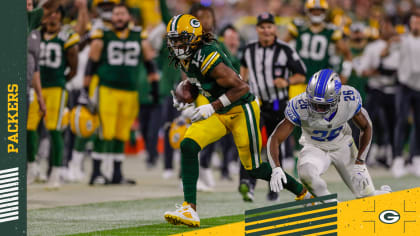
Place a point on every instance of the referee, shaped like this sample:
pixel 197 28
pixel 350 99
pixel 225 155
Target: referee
pixel 269 65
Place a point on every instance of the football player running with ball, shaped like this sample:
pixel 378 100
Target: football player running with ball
pixel 322 113
pixel 232 109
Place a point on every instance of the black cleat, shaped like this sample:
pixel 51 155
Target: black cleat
pixel 123 181
pixel 98 179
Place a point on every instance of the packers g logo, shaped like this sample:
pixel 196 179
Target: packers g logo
pixel 389 217
pixel 195 23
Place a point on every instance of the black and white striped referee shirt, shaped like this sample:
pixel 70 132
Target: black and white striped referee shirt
pixel 265 64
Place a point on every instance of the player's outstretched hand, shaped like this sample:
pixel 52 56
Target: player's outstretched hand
pixel 360 177
pixel 202 112
pixel 278 177
pixel 180 106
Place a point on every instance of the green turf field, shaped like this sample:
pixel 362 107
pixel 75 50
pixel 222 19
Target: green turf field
pixel 145 217
pixel 165 229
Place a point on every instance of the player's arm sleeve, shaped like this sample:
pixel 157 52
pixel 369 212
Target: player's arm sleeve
pixel 74 39
pixel 34 18
pixel 291 114
pixel 164 10
pixel 211 60
pixel 357 104
pixel 294 62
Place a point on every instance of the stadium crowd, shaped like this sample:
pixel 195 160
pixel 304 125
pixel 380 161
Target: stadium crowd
pixel 381 44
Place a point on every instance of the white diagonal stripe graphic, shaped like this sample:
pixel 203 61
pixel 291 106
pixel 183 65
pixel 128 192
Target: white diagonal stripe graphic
pixel 8 204
pixel 16 208
pixel 9 185
pixel 9 170
pixel 9 214
pixel 9 175
pixel 2 181
pixel 9 190
pixel 9 219
pixel 9 199
pixel 12 194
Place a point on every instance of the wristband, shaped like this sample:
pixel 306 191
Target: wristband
pixel 224 100
pixel 91 67
pixel 150 67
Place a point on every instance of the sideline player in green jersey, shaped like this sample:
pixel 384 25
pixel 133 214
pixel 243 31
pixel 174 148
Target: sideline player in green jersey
pixel 315 41
pixel 232 109
pixel 114 56
pixel 58 52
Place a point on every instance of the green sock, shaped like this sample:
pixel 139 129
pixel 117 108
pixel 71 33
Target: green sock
pixel 264 172
pixel 293 185
pixel 57 147
pixel 80 143
pixel 99 145
pixel 32 137
pixel 117 146
pixel 189 169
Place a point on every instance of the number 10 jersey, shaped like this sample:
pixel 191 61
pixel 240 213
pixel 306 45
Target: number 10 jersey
pixel 326 133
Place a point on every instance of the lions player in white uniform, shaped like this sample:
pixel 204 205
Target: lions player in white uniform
pixel 322 113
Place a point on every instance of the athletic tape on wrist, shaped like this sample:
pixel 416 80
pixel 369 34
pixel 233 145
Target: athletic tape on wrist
pixel 224 100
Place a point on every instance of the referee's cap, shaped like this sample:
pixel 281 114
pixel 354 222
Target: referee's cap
pixel 265 17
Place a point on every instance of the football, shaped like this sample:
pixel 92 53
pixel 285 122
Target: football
pixel 186 92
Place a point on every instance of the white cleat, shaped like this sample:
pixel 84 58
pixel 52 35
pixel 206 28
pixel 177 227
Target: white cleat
pixel 202 187
pixel 206 175
pixel 398 169
pixel 415 169
pixel 184 214
pixel 54 180
pixel 167 174
pixel 75 167
pixel 33 172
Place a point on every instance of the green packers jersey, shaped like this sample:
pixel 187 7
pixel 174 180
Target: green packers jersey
pixel 314 48
pixel 170 75
pixel 53 60
pixel 198 70
pixel 358 82
pixel 120 58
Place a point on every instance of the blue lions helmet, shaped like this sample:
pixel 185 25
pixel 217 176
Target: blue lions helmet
pixel 323 92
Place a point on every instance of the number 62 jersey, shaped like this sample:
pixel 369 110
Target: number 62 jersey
pixel 326 133
pixel 121 56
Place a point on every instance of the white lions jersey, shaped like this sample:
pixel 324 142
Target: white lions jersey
pixel 327 133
